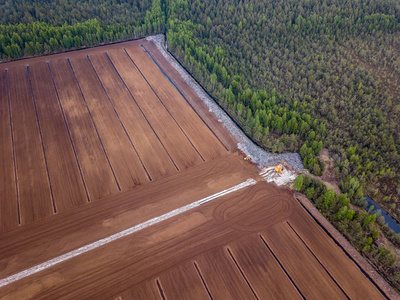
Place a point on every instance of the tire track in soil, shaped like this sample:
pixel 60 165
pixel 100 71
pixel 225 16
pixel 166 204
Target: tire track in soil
pixel 127 232
pixel 30 245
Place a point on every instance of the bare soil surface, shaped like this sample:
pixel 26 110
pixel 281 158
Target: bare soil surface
pixel 202 238
pixel 94 165
pixel 66 180
pixel 81 126
pixel 33 187
pixel 123 158
pixel 173 138
pixel 111 106
pixel 9 217
pixel 151 151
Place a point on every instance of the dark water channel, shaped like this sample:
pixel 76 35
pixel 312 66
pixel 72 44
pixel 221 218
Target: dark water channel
pixel 392 223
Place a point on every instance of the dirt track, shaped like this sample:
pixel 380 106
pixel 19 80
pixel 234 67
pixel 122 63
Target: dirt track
pixel 103 139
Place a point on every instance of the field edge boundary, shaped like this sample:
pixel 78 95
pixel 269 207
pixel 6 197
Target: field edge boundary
pixel 244 142
pixel 382 285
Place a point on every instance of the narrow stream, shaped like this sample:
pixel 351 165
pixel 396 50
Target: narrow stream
pixel 392 223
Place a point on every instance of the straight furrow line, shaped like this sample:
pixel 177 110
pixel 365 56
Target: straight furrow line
pixel 69 132
pixel 160 290
pixel 327 232
pixel 209 128
pixel 123 126
pixel 202 280
pixel 241 272
pixel 159 99
pixel 41 140
pixel 13 149
pixel 282 267
pixel 322 265
pixel 121 234
pixel 95 127
pixel 137 104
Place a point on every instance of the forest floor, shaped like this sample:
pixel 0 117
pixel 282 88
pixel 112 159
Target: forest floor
pixel 328 176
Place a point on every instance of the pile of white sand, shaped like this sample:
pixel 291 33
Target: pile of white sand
pixel 270 175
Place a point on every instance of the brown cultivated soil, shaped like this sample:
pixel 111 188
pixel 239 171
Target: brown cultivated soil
pixel 34 191
pixel 66 180
pixel 97 141
pixel 8 199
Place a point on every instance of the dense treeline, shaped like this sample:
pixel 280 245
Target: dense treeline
pixel 30 28
pixel 335 62
pixel 60 12
pixel 258 111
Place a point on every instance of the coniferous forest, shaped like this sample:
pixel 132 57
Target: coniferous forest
pixel 29 28
pixel 297 75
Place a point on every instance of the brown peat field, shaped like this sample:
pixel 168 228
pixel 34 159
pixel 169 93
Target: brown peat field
pixel 117 184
